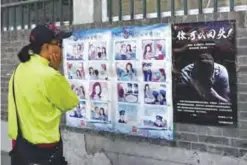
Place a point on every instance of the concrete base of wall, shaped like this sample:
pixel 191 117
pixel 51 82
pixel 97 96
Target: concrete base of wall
pixel 93 149
pixel 88 149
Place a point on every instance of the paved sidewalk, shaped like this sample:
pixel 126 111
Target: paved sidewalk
pixel 5 160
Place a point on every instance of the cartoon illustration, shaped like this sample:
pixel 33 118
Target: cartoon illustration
pixel 79 111
pixel 97 51
pixel 75 70
pixel 125 50
pixel 99 111
pixel 75 51
pixel 128 92
pixel 154 72
pixel 79 88
pixel 154 94
pixel 126 71
pixel 98 71
pixel 153 49
pixel 98 91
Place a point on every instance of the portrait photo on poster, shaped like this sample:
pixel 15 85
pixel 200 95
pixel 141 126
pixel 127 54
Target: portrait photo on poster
pixel 75 51
pixel 204 66
pixel 154 71
pixel 125 50
pixel 126 71
pixel 154 49
pixel 97 50
pixel 127 114
pixel 79 111
pixel 128 92
pixel 154 93
pixel 75 70
pixel 98 91
pixel 99 111
pixel 155 117
pixel 98 71
pixel 79 87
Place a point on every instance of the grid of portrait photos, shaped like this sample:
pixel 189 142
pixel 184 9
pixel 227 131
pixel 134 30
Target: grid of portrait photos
pixel 126 73
pixel 155 118
pixel 86 67
pixel 123 79
pixel 141 61
pixel 98 71
pixel 75 72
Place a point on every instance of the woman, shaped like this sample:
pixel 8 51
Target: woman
pixel 82 92
pixel 147 72
pixel 103 53
pixel 95 113
pixel 97 90
pixel 91 52
pixel 130 72
pixel 123 55
pixel 128 51
pixel 148 53
pixel 102 114
pixel 35 90
pixel 78 74
pixel 159 55
pixel 91 73
pixel 148 92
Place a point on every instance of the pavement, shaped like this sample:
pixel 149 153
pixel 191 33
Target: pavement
pixel 5 159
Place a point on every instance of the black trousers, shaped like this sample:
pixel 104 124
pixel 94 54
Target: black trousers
pixel 26 153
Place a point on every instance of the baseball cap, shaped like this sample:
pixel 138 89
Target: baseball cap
pixel 47 33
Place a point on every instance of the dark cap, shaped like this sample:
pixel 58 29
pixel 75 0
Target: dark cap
pixel 158 117
pixel 46 33
pixel 122 112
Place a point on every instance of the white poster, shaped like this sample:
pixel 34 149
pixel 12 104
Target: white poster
pixel 123 79
pixel 143 81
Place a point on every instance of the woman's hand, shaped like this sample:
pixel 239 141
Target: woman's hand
pixel 55 60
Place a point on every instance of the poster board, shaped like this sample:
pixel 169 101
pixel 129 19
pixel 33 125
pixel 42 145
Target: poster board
pixel 126 76
pixel 204 80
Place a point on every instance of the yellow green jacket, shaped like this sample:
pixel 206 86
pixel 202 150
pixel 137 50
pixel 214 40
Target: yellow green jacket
pixel 42 96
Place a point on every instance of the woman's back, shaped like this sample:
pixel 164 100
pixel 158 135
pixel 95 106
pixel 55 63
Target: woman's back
pixel 37 90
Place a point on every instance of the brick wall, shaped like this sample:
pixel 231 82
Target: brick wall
pixel 215 140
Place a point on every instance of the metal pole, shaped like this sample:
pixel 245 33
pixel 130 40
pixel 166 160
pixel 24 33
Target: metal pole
pixel 144 8
pixel 200 6
pixel 185 7
pixel 158 9
pixel 132 6
pixel 120 10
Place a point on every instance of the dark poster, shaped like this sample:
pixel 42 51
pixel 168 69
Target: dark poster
pixel 204 74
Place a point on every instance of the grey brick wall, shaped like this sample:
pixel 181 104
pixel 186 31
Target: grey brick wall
pixel 216 140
